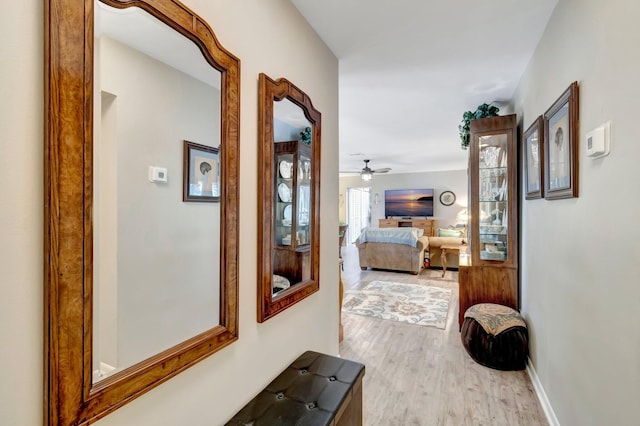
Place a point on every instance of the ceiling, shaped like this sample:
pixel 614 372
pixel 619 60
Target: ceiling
pixel 410 68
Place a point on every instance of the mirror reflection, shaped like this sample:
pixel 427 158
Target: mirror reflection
pixel 156 258
pixel 289 246
pixel 292 204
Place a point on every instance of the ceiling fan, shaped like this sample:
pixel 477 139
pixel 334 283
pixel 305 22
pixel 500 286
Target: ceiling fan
pixel 367 173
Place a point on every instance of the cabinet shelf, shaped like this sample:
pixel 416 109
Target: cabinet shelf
pixel 494 168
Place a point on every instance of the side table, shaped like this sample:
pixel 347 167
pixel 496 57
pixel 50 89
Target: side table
pixel 444 250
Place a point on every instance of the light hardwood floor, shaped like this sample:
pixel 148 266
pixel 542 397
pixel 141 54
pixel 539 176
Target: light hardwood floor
pixel 418 375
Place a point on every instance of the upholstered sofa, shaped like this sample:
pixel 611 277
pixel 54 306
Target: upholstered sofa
pixel 383 252
pixel 387 252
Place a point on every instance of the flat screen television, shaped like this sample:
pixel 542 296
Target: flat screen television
pixel 408 203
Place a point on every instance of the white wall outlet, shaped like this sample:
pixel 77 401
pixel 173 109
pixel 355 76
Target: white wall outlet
pixel 598 141
pixel 158 174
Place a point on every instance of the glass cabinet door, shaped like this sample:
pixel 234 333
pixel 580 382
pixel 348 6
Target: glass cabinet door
pixel 292 210
pixel 292 206
pixel 493 199
pixel 493 191
pixel 304 200
pixel 283 198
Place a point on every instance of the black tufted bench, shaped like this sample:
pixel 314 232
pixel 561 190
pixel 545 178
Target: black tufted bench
pixel 315 390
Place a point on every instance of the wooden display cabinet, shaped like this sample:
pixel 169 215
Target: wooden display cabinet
pixel 490 273
pixel 291 254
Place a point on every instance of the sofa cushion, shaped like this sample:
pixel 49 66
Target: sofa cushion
pixel 404 235
pixel 458 233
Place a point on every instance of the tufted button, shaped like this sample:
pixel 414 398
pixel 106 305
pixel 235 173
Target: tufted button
pixel 303 371
pixel 311 405
pixel 332 378
pixel 280 395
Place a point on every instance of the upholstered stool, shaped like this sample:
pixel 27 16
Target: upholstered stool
pixel 496 336
pixel 316 390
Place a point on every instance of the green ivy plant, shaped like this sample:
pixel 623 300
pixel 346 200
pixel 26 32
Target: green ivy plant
pixel 483 111
pixel 305 136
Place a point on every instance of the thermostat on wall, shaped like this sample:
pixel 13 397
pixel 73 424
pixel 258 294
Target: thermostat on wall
pixel 157 174
pixel 598 141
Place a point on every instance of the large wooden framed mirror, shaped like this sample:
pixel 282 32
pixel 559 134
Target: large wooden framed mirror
pixel 139 285
pixel 289 167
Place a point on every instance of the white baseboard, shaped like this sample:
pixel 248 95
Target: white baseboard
pixel 105 370
pixel 542 395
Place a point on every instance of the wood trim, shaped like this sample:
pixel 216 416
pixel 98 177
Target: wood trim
pixel 70 396
pixel 269 91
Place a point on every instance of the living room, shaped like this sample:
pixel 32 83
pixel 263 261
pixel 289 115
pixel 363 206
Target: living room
pixel 455 181
pixel 579 291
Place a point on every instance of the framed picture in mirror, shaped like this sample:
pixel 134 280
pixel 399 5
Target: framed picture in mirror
pixel 201 174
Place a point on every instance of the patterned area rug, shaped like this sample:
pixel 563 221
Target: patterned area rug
pixel 411 303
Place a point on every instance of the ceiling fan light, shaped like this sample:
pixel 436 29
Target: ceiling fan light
pixel 366 175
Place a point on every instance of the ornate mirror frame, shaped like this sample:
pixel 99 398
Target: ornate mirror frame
pixel 270 91
pixel 70 395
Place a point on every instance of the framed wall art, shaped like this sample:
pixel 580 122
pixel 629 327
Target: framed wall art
pixel 201 168
pixel 533 159
pixel 561 146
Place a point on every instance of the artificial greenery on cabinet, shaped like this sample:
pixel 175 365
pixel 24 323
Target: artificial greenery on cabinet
pixel 483 111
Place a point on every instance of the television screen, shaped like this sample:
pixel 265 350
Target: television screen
pixel 408 202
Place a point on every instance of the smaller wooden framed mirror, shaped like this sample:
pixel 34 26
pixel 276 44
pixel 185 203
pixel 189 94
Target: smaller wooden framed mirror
pixel 288 222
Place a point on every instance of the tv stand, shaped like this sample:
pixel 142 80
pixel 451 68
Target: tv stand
pixel 428 225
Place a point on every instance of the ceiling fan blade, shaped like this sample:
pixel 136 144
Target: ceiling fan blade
pixel 384 170
pixel 350 171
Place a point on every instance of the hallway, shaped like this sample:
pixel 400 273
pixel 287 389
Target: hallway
pixel 418 375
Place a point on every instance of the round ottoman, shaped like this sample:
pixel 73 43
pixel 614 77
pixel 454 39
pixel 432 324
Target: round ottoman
pixel 496 336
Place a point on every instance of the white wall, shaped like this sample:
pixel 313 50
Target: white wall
pixel 268 36
pixel 580 292
pixel 21 214
pixel 164 245
pixel 453 180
